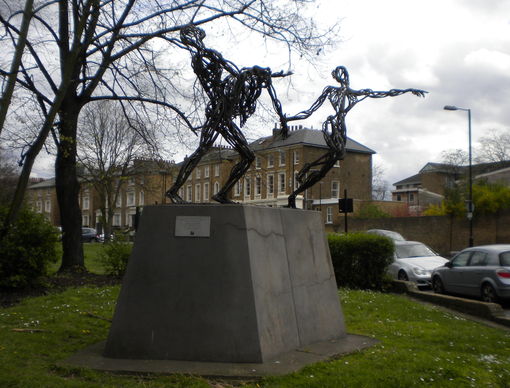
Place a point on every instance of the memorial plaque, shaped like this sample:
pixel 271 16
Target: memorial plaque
pixel 192 226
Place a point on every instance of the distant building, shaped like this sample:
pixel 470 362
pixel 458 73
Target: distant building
pixel 428 186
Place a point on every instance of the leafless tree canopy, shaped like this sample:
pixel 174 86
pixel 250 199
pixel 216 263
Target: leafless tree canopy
pixel 495 147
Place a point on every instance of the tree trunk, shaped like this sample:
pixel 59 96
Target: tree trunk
pixel 68 189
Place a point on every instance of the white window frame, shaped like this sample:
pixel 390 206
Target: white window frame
pixel 295 156
pixel 216 188
pixel 206 171
pixel 281 183
pixel 85 220
pixel 282 158
pixel 335 193
pixel 247 187
pixel 296 182
pixel 270 160
pixel 198 172
pixel 189 193
pixel 198 190
pixel 258 185
pixel 216 170
pixel 258 162
pixel 39 206
pixel 47 206
pixel 206 191
pixel 130 198
pixel 238 188
pixel 85 202
pixel 141 198
pixel 117 219
pixel 270 186
pixel 329 215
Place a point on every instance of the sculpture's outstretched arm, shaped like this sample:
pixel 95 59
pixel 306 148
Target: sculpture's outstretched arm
pixel 278 108
pixel 390 93
pixel 316 105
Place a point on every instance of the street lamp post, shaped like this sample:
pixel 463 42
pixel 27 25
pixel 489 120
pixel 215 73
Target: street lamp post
pixel 470 179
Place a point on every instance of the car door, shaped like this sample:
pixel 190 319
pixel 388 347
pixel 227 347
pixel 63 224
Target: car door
pixel 474 273
pixel 452 277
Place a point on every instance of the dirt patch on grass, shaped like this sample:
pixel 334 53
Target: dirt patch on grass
pixel 55 284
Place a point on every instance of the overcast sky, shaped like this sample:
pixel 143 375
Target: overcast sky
pixel 458 50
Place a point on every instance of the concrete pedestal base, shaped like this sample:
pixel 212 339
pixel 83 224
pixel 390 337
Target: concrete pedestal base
pixel 225 283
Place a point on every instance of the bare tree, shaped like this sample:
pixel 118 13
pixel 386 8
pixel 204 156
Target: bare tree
pixel 495 147
pixel 90 50
pixel 108 144
pixel 8 178
pixel 380 186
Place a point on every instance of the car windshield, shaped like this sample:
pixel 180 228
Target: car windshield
pixel 413 250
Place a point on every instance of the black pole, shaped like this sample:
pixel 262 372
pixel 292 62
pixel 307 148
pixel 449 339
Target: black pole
pixel 345 214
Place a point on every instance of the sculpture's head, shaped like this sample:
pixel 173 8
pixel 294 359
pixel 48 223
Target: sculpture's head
pixel 192 36
pixel 341 75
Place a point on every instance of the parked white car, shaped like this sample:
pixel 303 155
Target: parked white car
pixel 414 261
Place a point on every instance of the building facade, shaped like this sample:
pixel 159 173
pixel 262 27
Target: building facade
pixel 269 181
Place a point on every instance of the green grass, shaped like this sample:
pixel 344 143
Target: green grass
pixel 419 345
pixel 92 262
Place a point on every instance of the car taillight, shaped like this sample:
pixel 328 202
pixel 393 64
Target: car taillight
pixel 503 273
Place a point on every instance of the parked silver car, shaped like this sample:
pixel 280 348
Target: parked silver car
pixel 414 261
pixel 482 271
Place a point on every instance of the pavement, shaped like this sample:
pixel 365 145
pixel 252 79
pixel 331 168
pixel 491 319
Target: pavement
pixel 92 357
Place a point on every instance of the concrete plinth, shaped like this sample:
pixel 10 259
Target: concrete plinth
pixel 225 283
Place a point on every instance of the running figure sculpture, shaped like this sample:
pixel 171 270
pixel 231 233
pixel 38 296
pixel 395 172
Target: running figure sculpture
pixel 343 99
pixel 231 96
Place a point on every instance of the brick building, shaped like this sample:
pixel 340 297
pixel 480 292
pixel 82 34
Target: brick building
pixel 269 181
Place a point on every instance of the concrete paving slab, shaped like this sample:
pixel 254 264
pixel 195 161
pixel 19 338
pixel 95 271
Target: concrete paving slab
pixel 92 357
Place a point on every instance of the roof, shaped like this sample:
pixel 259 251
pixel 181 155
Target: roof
pixel 43 185
pixel 306 136
pixel 412 179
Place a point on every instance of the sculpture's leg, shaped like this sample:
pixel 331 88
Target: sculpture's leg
pixel 236 139
pixel 207 139
pixel 305 180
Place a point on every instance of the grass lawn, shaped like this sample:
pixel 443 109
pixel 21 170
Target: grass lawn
pixel 420 346
pixel 91 252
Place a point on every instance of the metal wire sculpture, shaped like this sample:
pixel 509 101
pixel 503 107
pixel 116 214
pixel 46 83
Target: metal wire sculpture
pixel 343 99
pixel 232 96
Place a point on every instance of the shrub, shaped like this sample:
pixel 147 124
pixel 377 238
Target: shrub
pixel 360 260
pixel 115 255
pixel 27 250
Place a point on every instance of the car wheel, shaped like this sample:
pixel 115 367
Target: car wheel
pixel 437 285
pixel 489 294
pixel 403 276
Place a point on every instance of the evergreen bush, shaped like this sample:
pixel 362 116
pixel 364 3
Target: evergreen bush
pixel 27 250
pixel 115 255
pixel 360 260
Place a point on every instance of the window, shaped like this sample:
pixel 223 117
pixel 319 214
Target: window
pixel 198 189
pixel 85 203
pixel 478 259
pixel 38 206
pixel 118 201
pixel 116 219
pixel 295 157
pixel 281 182
pixel 411 197
pixel 131 182
pixel 130 198
pixel 247 186
pixel 85 220
pixel 206 172
pixel 504 258
pixel 206 191
pixel 141 198
pixel 296 182
pixel 198 173
pixel 47 206
pixel 329 215
pixel 282 158
pixel 189 193
pixel 258 162
pixel 270 185
pixel 461 259
pixel 335 189
pixel 258 185
pixel 270 160
pixel 216 188
pixel 216 170
pixel 181 192
pixel 399 197
pixel 238 188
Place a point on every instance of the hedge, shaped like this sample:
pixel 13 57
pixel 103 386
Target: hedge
pixel 360 260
